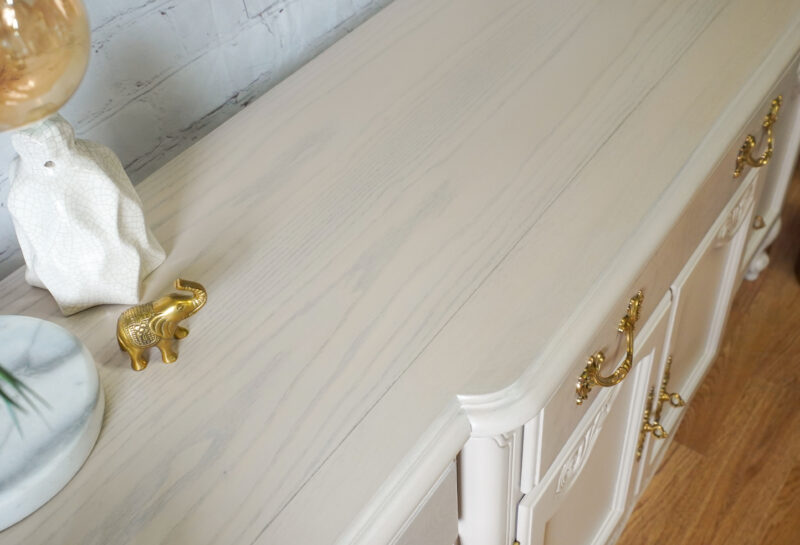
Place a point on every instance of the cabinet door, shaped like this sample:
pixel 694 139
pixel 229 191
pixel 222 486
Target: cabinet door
pixel 702 295
pixel 702 292
pixel 642 471
pixel 583 495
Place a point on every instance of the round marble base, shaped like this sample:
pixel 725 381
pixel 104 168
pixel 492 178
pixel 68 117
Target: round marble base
pixel 53 444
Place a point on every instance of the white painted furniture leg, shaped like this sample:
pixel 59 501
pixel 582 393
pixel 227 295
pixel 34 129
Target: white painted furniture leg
pixel 761 258
pixel 78 219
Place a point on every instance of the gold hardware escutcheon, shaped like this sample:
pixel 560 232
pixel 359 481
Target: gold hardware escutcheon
pixel 654 427
pixel 745 156
pixel 759 223
pixel 591 376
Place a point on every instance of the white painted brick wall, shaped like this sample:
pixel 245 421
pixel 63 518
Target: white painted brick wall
pixel 163 73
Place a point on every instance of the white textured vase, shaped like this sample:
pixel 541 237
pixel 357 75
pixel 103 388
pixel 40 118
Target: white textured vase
pixel 78 219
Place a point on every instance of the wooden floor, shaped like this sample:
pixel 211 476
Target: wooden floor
pixel 732 475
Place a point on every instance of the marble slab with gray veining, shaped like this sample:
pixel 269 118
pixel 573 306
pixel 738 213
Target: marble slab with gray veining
pixel 48 443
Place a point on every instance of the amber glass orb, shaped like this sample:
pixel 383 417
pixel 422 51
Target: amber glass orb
pixel 44 49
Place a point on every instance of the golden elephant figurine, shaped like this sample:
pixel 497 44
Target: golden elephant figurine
pixel 156 324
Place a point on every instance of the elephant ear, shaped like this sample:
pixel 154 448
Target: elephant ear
pixel 162 326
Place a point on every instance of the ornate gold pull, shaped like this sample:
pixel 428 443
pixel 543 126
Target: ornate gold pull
pixel 655 428
pixel 759 223
pixel 745 152
pixel 591 374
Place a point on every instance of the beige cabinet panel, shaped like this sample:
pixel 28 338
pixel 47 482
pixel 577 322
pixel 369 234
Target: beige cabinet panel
pixel 702 295
pixel 582 496
pixel 435 522
pixel 704 289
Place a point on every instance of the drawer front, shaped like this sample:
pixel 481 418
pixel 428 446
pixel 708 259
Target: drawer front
pixel 582 497
pixel 777 174
pixel 703 293
pixel 435 521
pixel 787 146
pixel 562 414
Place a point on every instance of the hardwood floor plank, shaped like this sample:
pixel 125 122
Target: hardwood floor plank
pixel 749 462
pixel 784 521
pixel 650 523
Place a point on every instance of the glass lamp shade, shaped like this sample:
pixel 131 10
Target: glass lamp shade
pixel 44 50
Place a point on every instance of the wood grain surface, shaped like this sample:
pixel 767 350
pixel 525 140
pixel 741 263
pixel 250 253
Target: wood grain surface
pixel 415 214
pixel 732 474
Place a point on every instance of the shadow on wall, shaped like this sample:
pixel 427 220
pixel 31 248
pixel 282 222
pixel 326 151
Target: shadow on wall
pixel 163 74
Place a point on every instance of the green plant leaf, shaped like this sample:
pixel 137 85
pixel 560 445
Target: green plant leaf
pixel 8 380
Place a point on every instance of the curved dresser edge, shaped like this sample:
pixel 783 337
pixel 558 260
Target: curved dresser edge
pixel 498 411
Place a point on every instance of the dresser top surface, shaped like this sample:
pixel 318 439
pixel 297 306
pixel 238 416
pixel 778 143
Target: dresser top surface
pixel 362 231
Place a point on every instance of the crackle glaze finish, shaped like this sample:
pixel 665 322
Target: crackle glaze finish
pixel 78 219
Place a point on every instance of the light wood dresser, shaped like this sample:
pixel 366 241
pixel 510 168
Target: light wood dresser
pixel 412 247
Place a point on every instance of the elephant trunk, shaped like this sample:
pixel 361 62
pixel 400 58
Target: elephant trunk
pixel 200 297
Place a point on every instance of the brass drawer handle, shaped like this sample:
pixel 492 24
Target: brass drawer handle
pixel 590 376
pixel 655 428
pixel 745 156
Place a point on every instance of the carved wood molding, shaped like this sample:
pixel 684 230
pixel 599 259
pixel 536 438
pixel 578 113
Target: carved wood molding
pixel 736 216
pixel 577 458
pixel 503 440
